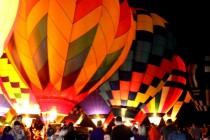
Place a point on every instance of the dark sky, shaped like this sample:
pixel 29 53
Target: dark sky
pixel 189 20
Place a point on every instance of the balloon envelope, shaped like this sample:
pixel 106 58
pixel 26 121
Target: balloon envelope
pixel 171 91
pixel 64 50
pixel 146 68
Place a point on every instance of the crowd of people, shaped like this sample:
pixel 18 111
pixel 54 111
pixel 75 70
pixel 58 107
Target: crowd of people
pixel 119 131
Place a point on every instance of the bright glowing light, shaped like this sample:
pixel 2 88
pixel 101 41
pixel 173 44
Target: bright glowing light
pixel 166 117
pixel 8 13
pixel 79 120
pixel 123 111
pixel 97 119
pixel 3 110
pixel 52 115
pixel 155 119
pixel 27 108
pixel 27 121
pixel 105 125
pixel 127 121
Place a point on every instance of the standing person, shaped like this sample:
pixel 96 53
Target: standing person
pixel 177 134
pixel 18 118
pixel 98 133
pixel 72 134
pixel 206 132
pixel 17 132
pixel 6 133
pixel 195 132
pixel 142 132
pixel 165 131
pixel 120 131
pixel 61 134
pixel 153 132
pixel 50 131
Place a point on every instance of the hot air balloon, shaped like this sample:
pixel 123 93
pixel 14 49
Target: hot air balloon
pixel 65 49
pixel 8 13
pixel 146 69
pixel 199 75
pixel 169 94
pixel 15 90
pixel 95 107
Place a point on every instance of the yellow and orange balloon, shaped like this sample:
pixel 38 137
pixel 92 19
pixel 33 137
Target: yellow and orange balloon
pixel 64 50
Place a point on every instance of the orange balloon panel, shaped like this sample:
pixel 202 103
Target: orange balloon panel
pixel 65 49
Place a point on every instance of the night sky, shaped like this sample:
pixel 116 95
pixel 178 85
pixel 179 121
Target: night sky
pixel 189 21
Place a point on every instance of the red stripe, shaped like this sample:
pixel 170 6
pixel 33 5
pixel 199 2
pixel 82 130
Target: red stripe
pixel 125 19
pixel 84 7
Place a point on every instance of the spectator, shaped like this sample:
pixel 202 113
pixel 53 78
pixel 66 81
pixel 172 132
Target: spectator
pixel 166 130
pixel 17 132
pixel 98 133
pixel 120 131
pixel 50 131
pixel 6 133
pixel 72 134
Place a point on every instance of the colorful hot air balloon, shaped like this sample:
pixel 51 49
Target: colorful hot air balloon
pixel 95 107
pixel 8 13
pixel 146 69
pixel 15 90
pixel 65 49
pixel 171 91
pixel 199 79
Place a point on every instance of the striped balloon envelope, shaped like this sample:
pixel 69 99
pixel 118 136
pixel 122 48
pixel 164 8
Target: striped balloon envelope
pixel 64 50
pixel 146 68
pixel 171 91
